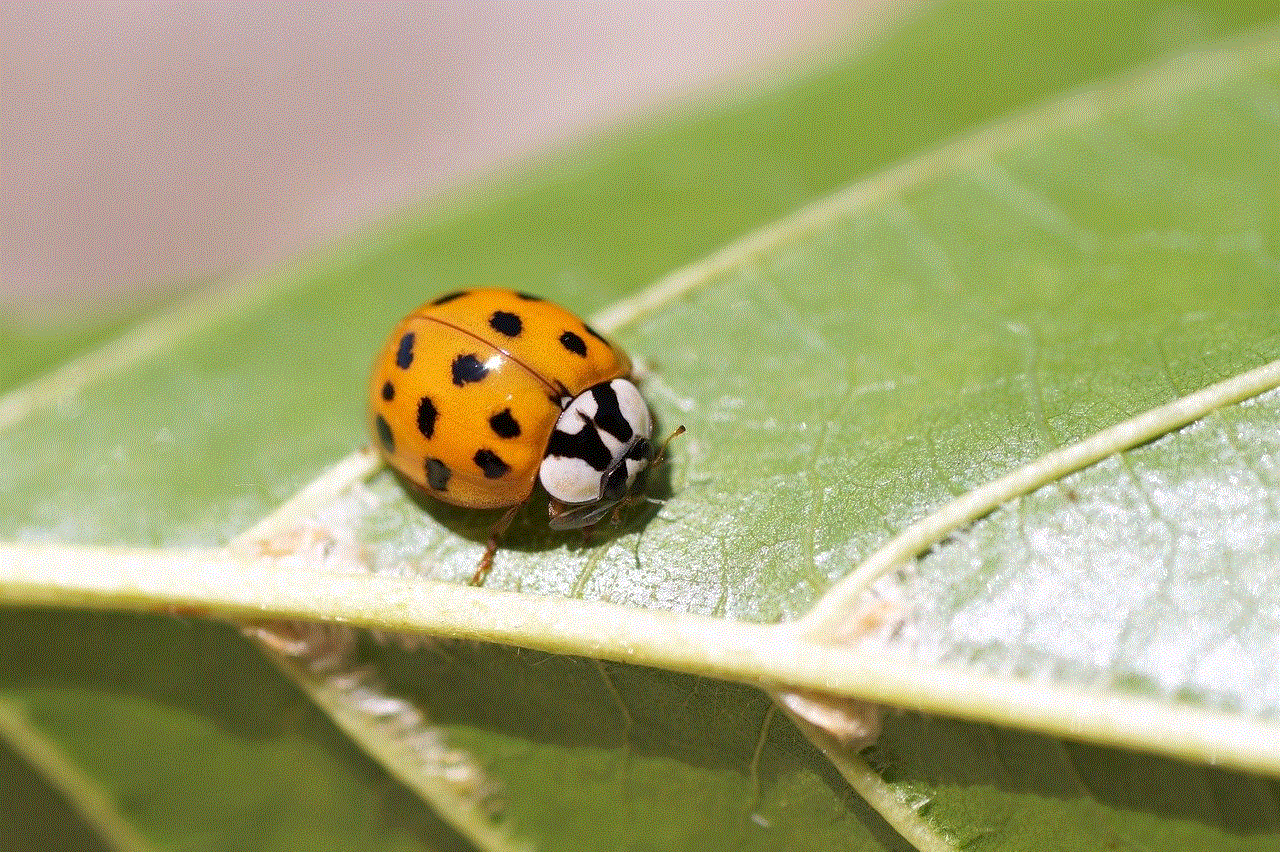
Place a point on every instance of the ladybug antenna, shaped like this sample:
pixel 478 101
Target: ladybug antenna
pixel 662 453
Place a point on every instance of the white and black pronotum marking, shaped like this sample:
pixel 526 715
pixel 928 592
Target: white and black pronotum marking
pixel 599 446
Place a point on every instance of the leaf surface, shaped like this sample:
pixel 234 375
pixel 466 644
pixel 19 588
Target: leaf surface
pixel 851 369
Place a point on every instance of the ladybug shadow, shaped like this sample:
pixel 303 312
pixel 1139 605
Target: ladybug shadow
pixel 529 531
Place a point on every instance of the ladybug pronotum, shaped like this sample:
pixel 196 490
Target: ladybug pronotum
pixel 479 395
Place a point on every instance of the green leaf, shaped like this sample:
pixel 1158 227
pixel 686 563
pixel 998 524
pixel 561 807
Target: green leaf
pixel 845 372
pixel 1177 601
pixel 35 816
pixel 122 714
pixel 31 351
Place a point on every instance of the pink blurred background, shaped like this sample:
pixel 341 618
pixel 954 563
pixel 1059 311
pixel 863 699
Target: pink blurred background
pixel 145 144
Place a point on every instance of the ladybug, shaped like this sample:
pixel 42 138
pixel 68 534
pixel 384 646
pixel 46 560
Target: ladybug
pixel 479 395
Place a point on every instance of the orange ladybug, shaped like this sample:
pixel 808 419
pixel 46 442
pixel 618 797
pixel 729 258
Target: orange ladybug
pixel 479 395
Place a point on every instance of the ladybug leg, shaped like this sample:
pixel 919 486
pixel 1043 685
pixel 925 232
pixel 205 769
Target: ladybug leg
pixel 491 547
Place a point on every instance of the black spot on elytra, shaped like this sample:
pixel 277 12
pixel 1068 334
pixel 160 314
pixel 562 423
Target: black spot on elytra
pixel 427 417
pixel 467 368
pixel 597 335
pixel 489 462
pixel 504 425
pixel 506 323
pixel 584 444
pixel 404 355
pixel 449 297
pixel 528 297
pixel 609 413
pixel 384 435
pixel 388 391
pixel 574 343
pixel 438 474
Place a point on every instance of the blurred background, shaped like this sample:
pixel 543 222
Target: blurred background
pixel 148 145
